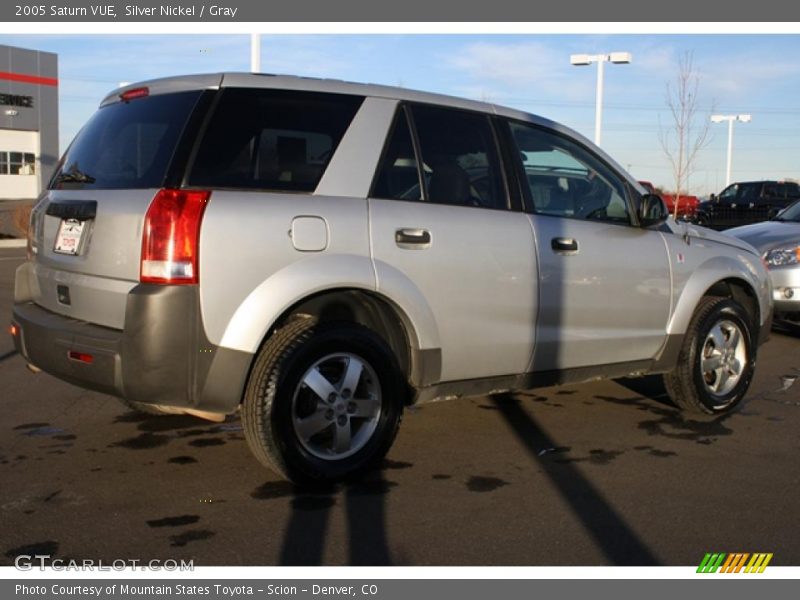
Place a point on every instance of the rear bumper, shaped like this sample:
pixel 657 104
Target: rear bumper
pixel 161 357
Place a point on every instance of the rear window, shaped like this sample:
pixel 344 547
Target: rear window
pixel 126 145
pixel 275 140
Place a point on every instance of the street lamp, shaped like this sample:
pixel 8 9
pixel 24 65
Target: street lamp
pixel 255 52
pixel 579 60
pixel 730 119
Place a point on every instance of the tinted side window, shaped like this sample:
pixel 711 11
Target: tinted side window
pixel 729 193
pixel 781 191
pixel 127 144
pixel 398 175
pixel 565 180
pixel 773 190
pixel 459 158
pixel 272 139
pixel 749 192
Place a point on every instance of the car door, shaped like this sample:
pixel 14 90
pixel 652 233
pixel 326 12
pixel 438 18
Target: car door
pixel 776 197
pixel 724 208
pixel 443 233
pixel 749 204
pixel 604 283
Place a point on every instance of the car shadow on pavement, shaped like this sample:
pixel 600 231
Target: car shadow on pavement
pixel 613 536
pixel 787 328
pixel 311 510
pixel 650 387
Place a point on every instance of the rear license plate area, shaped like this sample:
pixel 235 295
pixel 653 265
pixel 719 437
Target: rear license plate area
pixel 69 237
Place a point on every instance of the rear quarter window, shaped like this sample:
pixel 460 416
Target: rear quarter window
pixel 276 140
pixel 126 145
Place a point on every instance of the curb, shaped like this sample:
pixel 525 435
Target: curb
pixel 13 243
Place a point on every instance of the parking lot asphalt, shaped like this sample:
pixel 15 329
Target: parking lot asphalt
pixel 606 473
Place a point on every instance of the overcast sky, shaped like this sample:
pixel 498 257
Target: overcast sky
pixel 756 74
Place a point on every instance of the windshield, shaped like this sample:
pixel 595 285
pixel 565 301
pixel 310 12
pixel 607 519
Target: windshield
pixel 126 144
pixel 791 214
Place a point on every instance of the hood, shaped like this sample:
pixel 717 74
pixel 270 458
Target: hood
pixel 767 235
pixel 703 233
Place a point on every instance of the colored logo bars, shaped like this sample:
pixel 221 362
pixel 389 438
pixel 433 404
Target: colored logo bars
pixel 734 563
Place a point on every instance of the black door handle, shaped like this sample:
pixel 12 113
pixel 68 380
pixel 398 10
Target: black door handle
pixel 419 238
pixel 561 244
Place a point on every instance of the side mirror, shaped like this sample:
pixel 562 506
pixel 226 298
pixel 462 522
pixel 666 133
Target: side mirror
pixel 652 210
pixel 713 198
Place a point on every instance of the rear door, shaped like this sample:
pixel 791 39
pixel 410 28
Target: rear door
pixel 88 225
pixel 604 284
pixel 442 228
pixel 776 197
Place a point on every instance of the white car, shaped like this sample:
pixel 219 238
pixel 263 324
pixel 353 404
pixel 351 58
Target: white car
pixel 778 241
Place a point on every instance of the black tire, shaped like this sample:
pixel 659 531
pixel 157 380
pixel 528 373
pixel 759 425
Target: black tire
pixel 689 386
pixel 277 393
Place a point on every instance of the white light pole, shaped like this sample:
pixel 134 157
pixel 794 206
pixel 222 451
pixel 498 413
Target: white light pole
pixel 579 60
pixel 255 53
pixel 730 119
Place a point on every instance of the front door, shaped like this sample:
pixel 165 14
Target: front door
pixel 604 284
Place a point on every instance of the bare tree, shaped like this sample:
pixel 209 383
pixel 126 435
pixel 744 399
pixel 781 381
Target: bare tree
pixel 684 139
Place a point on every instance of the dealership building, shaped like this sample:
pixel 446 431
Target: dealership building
pixel 28 121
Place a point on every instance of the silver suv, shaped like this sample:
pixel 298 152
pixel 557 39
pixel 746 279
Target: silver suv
pixel 322 254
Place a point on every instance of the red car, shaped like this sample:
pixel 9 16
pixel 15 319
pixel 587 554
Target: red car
pixel 687 205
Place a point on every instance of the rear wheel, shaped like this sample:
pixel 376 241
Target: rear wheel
pixel 717 360
pixel 323 402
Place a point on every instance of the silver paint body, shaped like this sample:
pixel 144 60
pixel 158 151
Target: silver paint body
pixel 768 236
pixel 488 291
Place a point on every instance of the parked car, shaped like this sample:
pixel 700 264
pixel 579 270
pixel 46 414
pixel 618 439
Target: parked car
pixel 746 202
pixel 687 205
pixel 778 241
pixel 323 254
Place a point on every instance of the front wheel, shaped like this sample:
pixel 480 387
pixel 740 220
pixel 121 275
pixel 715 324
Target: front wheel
pixel 717 359
pixel 323 402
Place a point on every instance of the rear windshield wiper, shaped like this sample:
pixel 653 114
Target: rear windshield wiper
pixel 75 176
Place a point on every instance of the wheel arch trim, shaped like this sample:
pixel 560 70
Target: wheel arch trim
pixel 278 296
pixel 714 272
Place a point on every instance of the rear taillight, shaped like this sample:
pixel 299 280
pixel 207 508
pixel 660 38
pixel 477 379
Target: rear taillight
pixel 171 237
